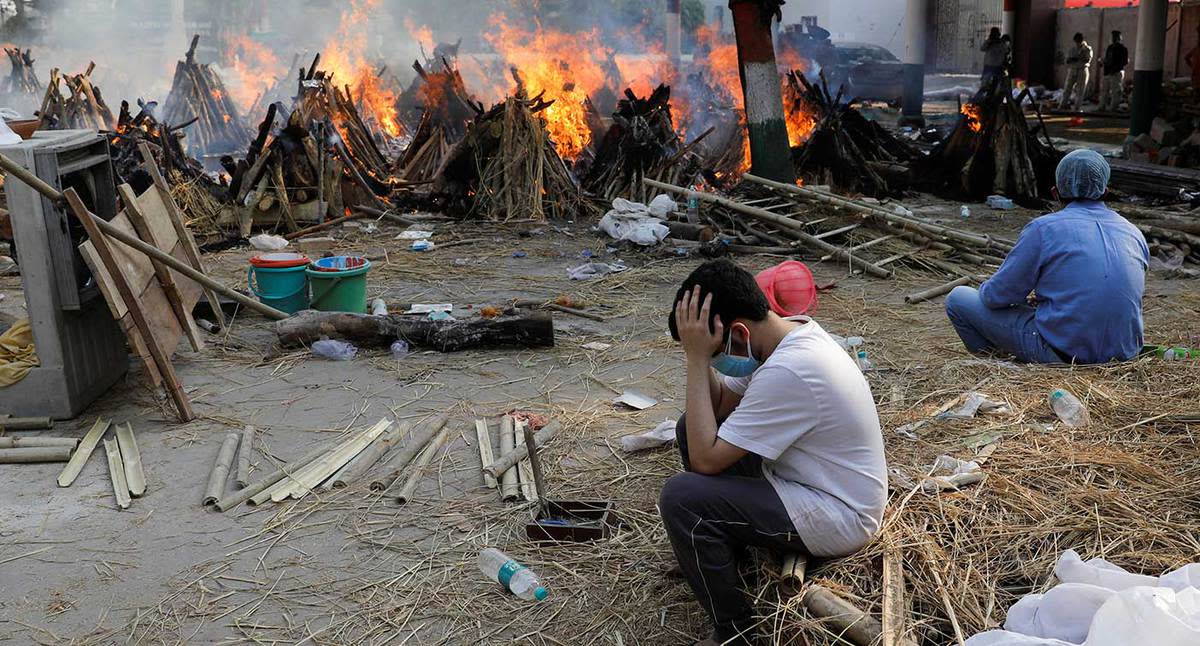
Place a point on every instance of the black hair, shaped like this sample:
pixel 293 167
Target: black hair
pixel 1078 36
pixel 736 294
pixel 995 32
pixel 1116 33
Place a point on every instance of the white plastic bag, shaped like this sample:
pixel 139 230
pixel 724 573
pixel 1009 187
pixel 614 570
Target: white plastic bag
pixel 662 435
pixel 642 230
pixel 1072 569
pixel 267 242
pixel 1065 612
pixel 7 136
pixel 1146 616
pixel 663 206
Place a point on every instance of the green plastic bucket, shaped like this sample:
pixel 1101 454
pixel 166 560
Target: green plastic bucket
pixel 279 280
pixel 339 284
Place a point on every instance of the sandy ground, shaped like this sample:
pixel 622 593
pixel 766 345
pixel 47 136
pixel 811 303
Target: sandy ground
pixel 352 566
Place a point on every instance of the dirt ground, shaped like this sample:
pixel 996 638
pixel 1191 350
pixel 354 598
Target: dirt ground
pixel 354 567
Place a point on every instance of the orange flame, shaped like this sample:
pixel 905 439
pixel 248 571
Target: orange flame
pixel 974 116
pixel 345 56
pixel 249 71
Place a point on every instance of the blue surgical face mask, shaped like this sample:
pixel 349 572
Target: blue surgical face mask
pixel 732 366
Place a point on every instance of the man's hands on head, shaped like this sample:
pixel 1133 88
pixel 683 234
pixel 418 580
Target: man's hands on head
pixel 691 320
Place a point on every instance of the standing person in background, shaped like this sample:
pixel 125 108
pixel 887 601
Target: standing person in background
pixel 995 55
pixel 1079 61
pixel 1116 59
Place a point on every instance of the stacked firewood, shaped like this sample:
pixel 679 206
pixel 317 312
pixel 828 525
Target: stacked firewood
pixel 164 141
pixel 993 150
pixel 846 150
pixel 506 168
pixel 81 107
pixel 640 143
pixel 446 111
pixel 198 94
pixel 23 79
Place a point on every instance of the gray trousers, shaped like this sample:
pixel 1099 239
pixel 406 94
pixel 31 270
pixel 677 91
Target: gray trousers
pixel 711 520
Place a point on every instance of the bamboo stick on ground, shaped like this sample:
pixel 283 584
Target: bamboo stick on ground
pixel 220 469
pixel 28 442
pixel 35 454
pixel 370 456
pixel 131 458
pixel 81 455
pixel 483 435
pixel 25 423
pixel 234 499
pixel 416 442
pixel 525 466
pixel 509 484
pixel 245 449
pixel 515 455
pixel 895 610
pixel 844 618
pixel 418 469
pixel 792 572
pixel 319 470
pixel 940 290
pixel 116 473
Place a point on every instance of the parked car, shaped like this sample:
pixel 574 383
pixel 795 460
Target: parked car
pixel 868 71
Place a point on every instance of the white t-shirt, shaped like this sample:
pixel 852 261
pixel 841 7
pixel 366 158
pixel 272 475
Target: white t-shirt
pixel 808 412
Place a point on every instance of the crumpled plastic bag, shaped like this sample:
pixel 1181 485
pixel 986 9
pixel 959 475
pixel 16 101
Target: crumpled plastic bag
pixel 595 270
pixel 976 403
pixel 662 435
pixel 633 221
pixel 663 206
pixel 17 353
pixel 1101 604
pixel 946 473
pixel 268 242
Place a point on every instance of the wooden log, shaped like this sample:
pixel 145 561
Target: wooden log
pixel 30 442
pixel 418 468
pixel 525 467
pixel 510 458
pixel 25 423
pixel 521 329
pixel 369 457
pixel 510 486
pixel 794 227
pixel 416 441
pixel 220 469
pixel 940 290
pixel 131 459
pixel 1169 234
pixel 535 462
pixel 81 455
pixel 236 498
pixel 245 452
pixel 116 473
pixel 35 454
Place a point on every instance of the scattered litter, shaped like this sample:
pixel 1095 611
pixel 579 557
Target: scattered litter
pixel 422 245
pixel 595 270
pixel 975 403
pixel 1000 203
pixel 663 206
pixel 334 350
pixel 519 254
pixel 946 473
pixel 632 221
pixel 1069 409
pixel 441 316
pixel 268 242
pixel 379 307
pixel 413 234
pixel 636 400
pixel 597 346
pixel 864 363
pixel 399 349
pixel 964 212
pixel 662 435
pixel 426 308
pixel 370 227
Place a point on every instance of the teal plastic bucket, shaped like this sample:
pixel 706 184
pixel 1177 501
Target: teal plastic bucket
pixel 339 284
pixel 279 280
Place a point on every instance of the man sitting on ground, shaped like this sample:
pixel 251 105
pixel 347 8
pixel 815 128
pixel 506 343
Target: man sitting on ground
pixel 783 452
pixel 1087 266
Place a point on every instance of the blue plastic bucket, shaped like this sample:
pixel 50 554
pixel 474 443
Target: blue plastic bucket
pixel 339 284
pixel 280 280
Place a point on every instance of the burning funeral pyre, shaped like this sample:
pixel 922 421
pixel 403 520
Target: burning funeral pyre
pixel 198 96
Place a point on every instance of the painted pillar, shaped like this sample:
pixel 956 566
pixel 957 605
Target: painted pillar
pixel 770 153
pixel 1148 65
pixel 915 20
pixel 674 32
pixel 1009 26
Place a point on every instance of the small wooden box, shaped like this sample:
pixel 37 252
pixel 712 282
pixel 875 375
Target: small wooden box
pixel 575 521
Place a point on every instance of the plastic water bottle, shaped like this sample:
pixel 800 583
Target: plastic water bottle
pixel 864 363
pixel 1069 409
pixel 399 349
pixel 379 307
pixel 1176 354
pixel 693 208
pixel 519 580
pixel 334 350
pixel 964 212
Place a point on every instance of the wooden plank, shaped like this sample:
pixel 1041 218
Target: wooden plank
pixel 131 457
pixel 165 240
pixel 191 251
pixel 161 361
pixel 895 610
pixel 116 473
pixel 135 268
pixel 86 446
pixel 483 435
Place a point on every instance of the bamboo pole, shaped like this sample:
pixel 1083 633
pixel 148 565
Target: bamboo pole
pixel 35 454
pixel 220 469
pixel 418 469
pixel 792 572
pixel 81 455
pixel 940 290
pixel 415 442
pixel 116 473
pixel 245 449
pixel 794 227
pixel 234 499
pixel 131 241
pixel 535 462
pixel 509 486
pixel 483 435
pixel 370 456
pixel 303 483
pixel 843 617
pixel 29 442
pixel 25 423
pixel 512 456
pixel 131 459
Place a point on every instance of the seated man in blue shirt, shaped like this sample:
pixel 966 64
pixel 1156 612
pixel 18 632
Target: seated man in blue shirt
pixel 1086 266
